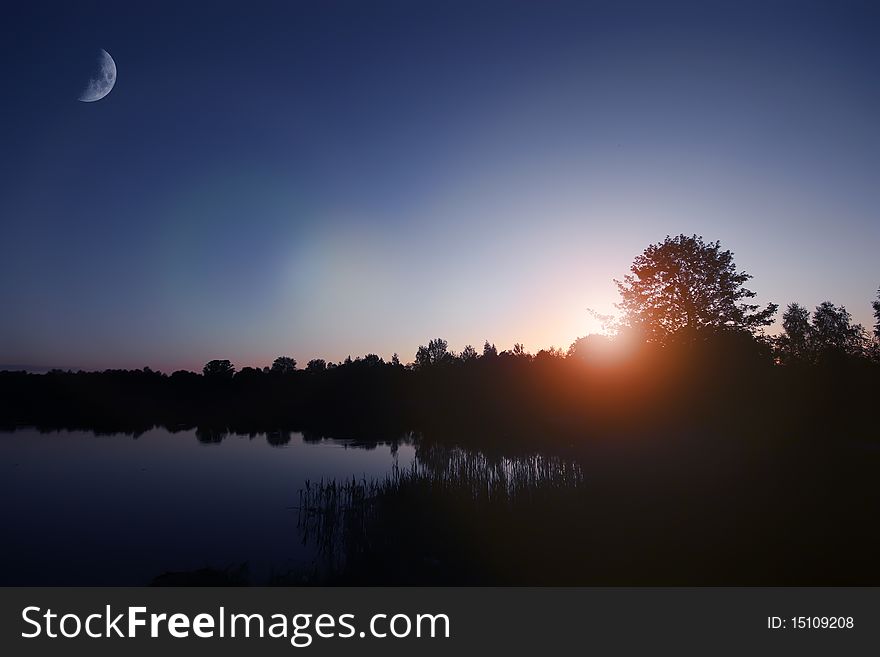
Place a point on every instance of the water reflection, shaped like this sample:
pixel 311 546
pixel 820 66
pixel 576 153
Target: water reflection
pixel 95 508
pixel 494 475
pixel 201 505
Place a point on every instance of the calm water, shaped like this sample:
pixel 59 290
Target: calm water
pixel 80 508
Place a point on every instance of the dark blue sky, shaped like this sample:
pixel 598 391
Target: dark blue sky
pixel 326 178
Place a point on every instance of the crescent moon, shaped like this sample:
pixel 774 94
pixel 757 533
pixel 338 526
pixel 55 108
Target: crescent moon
pixel 100 85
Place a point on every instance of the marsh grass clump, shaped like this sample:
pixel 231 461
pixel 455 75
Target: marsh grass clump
pixel 444 518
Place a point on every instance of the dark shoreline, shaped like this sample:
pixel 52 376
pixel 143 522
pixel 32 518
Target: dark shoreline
pixel 700 466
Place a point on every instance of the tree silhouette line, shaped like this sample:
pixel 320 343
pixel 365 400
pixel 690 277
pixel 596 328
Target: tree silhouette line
pixel 690 351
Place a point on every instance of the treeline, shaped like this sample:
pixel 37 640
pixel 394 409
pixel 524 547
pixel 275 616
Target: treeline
pixel 689 355
pixel 600 386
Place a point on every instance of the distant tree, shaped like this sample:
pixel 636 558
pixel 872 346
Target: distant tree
pixel 435 353
pixel 519 351
pixel 873 350
pixel 221 369
pixel 423 357
pixel 468 354
pixel 248 372
pixel 316 365
pixel 549 355
pixel 795 343
pixel 833 332
pixel 395 360
pixel 439 350
pixel 683 286
pixel 183 375
pixel 284 365
pixel 876 306
pixel 373 360
pixel 489 350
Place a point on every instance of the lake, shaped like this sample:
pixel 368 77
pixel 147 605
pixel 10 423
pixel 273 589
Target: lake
pixel 82 508
pixel 87 509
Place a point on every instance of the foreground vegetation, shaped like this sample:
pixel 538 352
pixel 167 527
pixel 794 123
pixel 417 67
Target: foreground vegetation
pixel 694 511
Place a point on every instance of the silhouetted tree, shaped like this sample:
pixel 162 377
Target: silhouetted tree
pixel 248 374
pixel 316 365
pixel 549 355
pixel 518 352
pixel 833 332
pixel 468 354
pixel 873 350
pixel 435 353
pixel 372 360
pixel 222 369
pixel 183 375
pixel 284 365
pixel 795 343
pixel 683 286
pixel 395 360
pixel 489 350
pixel 876 306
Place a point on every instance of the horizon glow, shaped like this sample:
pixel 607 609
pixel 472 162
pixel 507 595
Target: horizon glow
pixel 295 179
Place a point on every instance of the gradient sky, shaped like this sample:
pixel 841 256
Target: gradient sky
pixel 330 178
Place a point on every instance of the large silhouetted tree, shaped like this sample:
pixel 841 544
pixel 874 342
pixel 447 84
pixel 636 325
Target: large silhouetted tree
pixel 684 286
